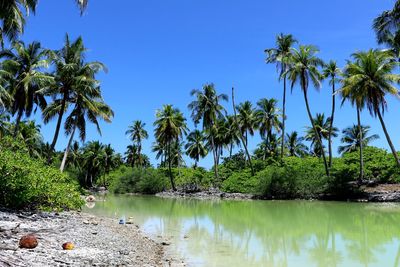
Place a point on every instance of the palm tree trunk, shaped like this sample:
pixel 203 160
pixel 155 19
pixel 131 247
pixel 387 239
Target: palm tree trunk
pixel 169 167
pixel 240 134
pixel 230 149
pixel 139 156
pixel 17 122
pixel 215 158
pixel 58 126
pixel 283 116
pixel 316 132
pixel 64 160
pixel 331 126
pixel 360 140
pixel 396 157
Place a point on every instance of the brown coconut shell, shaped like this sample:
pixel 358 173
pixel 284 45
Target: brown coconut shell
pixel 68 246
pixel 28 241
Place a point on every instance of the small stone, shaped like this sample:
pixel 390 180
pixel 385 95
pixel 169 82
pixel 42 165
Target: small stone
pixel 28 241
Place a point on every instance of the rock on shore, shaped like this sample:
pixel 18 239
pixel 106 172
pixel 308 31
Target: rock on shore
pixel 97 241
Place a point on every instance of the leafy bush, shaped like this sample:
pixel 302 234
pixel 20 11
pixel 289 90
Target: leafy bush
pixel 129 180
pixel 27 182
pixel 240 182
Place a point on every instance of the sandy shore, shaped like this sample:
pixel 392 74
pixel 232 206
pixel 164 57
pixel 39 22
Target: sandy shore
pixel 98 241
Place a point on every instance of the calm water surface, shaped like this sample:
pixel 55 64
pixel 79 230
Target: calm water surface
pixel 266 233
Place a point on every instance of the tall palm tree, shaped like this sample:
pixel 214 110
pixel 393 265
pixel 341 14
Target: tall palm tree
pixel 280 55
pixel 88 106
pixel 247 119
pixel 295 145
pixel 387 28
pixel 236 120
pixel 26 82
pixel 70 70
pixel 12 17
pixel 195 146
pixel 351 138
pixel 207 108
pixel 267 116
pixel 137 133
pixel 367 82
pixel 331 72
pixel 303 70
pixel 324 130
pixel 170 126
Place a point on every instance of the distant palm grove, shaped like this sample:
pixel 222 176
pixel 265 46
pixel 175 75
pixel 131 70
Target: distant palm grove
pixel 62 86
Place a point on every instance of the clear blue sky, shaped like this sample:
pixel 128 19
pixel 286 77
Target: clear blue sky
pixel 157 51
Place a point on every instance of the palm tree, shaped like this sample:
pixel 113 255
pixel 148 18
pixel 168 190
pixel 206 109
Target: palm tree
pixel 387 29
pixel 367 81
pixel 160 150
pixel 131 155
pixel 281 55
pixel 94 156
pixel 25 79
pixel 30 134
pixel 331 72
pixel 295 145
pixel 267 116
pixel 206 108
pixel 351 138
pixel 232 134
pixel 235 116
pixel 247 119
pixel 88 106
pixel 70 70
pixel 195 147
pixel 303 70
pixel 323 127
pixel 12 17
pixel 137 133
pixel 170 126
pixel 268 149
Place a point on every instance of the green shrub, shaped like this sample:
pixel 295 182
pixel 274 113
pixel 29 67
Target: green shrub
pixel 240 182
pixel 129 180
pixel 28 183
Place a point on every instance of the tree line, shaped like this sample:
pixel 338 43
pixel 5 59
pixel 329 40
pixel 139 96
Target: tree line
pixel 63 86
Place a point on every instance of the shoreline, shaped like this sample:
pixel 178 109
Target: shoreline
pixel 98 241
pixel 376 193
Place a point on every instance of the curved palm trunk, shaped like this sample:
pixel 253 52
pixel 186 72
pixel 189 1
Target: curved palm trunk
pixel 58 127
pixel 169 167
pixel 331 125
pixel 64 160
pixel 240 134
pixel 360 140
pixel 396 157
pixel 316 132
pixel 283 117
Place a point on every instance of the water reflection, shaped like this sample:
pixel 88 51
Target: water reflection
pixel 261 233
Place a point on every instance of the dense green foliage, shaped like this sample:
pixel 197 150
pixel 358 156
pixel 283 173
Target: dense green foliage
pixel 27 182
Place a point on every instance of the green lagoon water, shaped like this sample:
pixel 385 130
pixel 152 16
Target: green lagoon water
pixel 266 233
